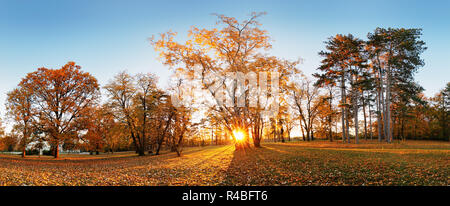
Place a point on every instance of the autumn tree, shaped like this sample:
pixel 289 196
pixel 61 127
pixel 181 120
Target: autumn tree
pixel 358 66
pixel 3 141
pixel 327 111
pixel 61 98
pixel 445 102
pixel 237 48
pixel 121 91
pixel 441 103
pixel 8 142
pixel 306 102
pixel 326 116
pixel 341 57
pixel 163 118
pixel 133 99
pixel 405 96
pixel 182 124
pixel 116 136
pixel 100 132
pixel 19 104
pixel 289 124
pixel 2 129
pixel 395 55
pixel 367 98
pixel 181 128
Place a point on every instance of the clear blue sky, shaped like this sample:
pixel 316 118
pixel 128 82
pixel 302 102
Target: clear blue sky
pixel 107 36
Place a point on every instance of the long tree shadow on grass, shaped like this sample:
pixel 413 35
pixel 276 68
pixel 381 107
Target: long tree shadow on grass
pixel 252 167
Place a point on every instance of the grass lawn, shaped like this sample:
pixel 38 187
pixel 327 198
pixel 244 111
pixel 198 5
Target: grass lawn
pixel 300 163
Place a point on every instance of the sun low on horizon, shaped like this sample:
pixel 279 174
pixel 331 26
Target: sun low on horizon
pixel 239 135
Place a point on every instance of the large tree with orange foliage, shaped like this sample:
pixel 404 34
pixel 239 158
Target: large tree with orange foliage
pixel 62 99
pixel 236 48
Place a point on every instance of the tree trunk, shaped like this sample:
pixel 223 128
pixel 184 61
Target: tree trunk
pixel 388 108
pixel 382 104
pixel 24 152
pixel 365 117
pixel 379 119
pixel 330 116
pixel 308 134
pixel 356 122
pixel 402 130
pixel 289 135
pixel 303 131
pixel 256 133
pixel 56 151
pixel 370 123
pixel 343 110
pixel 347 125
pixel 355 113
pixel 141 149
pixel 158 147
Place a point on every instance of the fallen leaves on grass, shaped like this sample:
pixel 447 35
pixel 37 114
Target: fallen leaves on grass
pixel 318 163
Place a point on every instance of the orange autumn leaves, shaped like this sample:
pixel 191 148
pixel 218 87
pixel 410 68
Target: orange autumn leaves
pixel 56 101
pixel 300 163
pixel 234 47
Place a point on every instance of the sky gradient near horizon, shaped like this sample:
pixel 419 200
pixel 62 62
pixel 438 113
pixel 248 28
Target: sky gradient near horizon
pixel 108 36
